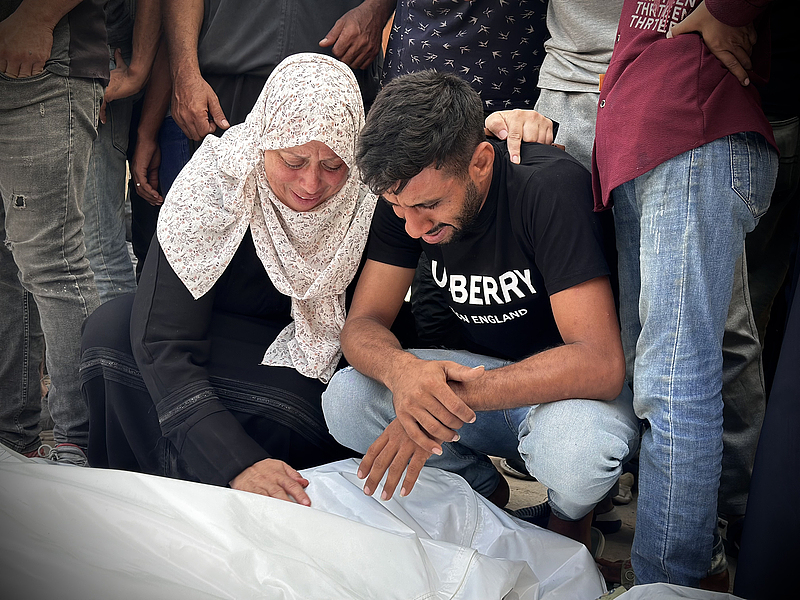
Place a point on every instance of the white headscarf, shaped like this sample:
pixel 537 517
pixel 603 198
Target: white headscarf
pixel 310 256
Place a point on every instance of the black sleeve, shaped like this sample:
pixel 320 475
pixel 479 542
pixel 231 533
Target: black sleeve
pixel 169 339
pixel 561 226
pixel 388 241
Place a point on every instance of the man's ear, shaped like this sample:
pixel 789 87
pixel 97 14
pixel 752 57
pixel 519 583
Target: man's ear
pixel 480 167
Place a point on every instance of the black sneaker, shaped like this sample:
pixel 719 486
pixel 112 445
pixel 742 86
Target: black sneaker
pixel 536 515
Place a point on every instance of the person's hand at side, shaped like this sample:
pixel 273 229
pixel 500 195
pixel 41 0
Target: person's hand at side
pixel 273 478
pixel 731 45
pixel 125 81
pixel 144 169
pixel 195 106
pixel 425 404
pixel 356 36
pixel 393 451
pixel 517 126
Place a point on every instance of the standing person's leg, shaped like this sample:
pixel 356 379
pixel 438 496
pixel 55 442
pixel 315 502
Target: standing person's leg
pixel 104 201
pixel 743 397
pixel 20 392
pixel 104 204
pixel 48 124
pixel 678 246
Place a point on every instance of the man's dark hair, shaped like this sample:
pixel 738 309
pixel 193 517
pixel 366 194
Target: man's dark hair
pixel 419 120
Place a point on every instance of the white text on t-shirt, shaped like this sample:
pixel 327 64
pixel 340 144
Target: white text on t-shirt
pixel 482 290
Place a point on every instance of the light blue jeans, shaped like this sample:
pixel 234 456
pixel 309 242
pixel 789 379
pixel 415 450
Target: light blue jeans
pixel 680 231
pixel 574 447
pixel 47 124
pixel 104 202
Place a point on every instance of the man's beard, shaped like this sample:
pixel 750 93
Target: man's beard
pixel 465 221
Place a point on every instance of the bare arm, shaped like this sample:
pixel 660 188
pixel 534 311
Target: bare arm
pixel 195 106
pixel 127 80
pixel 425 405
pixel 147 154
pixel 356 36
pixel 371 348
pixel 590 364
pixel 366 336
pixel 26 36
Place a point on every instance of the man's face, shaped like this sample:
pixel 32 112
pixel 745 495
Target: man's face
pixel 437 206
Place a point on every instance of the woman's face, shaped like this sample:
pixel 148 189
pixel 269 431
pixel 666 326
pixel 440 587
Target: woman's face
pixel 303 177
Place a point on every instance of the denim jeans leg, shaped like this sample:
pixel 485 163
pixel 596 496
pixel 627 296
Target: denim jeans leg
pixel 48 123
pixel 20 392
pixel 576 448
pixel 680 230
pixel 357 410
pixel 175 153
pixel 104 204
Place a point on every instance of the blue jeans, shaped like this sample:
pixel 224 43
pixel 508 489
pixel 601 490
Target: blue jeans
pixel 574 447
pixel 104 203
pixel 680 231
pixel 47 124
pixel 174 153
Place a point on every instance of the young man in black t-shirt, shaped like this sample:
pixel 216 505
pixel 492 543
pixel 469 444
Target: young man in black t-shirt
pixel 517 253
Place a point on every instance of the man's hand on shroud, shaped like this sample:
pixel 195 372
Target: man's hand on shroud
pixel 393 451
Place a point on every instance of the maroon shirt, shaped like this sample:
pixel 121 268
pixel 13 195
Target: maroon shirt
pixel 662 97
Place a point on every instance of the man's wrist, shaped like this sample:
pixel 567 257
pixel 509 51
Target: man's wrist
pixel 137 75
pixel 185 72
pixel 399 362
pixel 382 8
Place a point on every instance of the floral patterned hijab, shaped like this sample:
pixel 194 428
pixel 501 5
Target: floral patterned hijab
pixel 310 256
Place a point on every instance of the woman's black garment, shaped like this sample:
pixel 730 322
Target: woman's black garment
pixel 769 553
pixel 175 386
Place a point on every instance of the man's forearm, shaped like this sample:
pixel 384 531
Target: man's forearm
pixel 374 350
pixel 381 8
pixel 156 97
pixel 146 33
pixel 569 371
pixel 182 22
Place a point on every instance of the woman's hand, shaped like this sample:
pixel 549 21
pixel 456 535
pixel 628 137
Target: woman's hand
pixel 273 478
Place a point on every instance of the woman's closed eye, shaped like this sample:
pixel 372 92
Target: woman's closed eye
pixel 332 166
pixel 294 165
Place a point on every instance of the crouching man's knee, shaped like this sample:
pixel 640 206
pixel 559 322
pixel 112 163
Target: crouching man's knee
pixel 357 409
pixel 577 448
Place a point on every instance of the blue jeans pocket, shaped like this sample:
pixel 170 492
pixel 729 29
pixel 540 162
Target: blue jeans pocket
pixel 753 167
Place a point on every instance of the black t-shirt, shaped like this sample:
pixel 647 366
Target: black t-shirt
pixel 535 235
